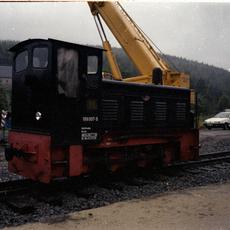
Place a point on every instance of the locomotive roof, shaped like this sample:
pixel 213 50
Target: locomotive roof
pixel 37 40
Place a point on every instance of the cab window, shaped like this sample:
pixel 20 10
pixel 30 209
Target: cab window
pixel 40 57
pixel 21 61
pixel 92 64
pixel 67 72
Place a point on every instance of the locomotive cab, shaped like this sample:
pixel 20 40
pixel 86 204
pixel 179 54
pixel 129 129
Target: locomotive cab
pixel 50 77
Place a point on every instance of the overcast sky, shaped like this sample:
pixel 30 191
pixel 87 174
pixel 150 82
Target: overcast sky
pixel 196 31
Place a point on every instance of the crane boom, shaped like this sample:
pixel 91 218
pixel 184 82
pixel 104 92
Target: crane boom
pixel 136 45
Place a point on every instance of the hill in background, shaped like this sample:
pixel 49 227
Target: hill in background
pixel 211 83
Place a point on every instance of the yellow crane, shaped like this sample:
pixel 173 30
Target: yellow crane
pixel 138 47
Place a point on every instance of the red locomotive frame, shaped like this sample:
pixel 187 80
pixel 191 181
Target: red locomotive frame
pixel 42 162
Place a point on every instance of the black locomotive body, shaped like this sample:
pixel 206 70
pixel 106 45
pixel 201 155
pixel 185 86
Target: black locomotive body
pixel 67 120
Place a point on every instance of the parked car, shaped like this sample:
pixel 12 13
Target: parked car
pixel 220 120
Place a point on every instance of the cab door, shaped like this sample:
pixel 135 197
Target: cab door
pixel 91 94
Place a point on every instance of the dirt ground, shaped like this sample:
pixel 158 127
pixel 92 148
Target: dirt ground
pixel 199 208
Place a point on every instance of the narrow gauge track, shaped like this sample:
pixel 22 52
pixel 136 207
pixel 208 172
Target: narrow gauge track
pixel 207 158
pixel 15 186
pixel 22 185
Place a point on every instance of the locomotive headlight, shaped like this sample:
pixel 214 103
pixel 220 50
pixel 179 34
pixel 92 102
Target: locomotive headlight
pixel 38 116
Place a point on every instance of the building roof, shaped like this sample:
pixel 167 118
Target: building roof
pixel 5 71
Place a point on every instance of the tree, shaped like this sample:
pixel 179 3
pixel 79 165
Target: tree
pixel 223 103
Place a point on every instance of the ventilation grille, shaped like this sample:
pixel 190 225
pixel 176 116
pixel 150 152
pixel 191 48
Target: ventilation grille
pixel 110 110
pixel 137 110
pixel 181 111
pixel 160 110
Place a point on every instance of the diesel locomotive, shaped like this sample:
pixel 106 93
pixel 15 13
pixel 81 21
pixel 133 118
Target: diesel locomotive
pixel 69 121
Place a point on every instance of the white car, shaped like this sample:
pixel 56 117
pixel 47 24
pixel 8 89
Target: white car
pixel 220 120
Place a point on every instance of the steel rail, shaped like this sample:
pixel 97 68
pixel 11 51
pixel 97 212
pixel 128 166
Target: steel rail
pixel 215 154
pixel 18 186
pixel 207 158
pixel 14 186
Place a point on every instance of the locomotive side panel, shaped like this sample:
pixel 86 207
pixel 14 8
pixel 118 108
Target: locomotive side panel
pixel 135 106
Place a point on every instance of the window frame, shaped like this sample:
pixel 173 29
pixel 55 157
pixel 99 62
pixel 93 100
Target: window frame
pixel 15 60
pixel 32 57
pixel 96 72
